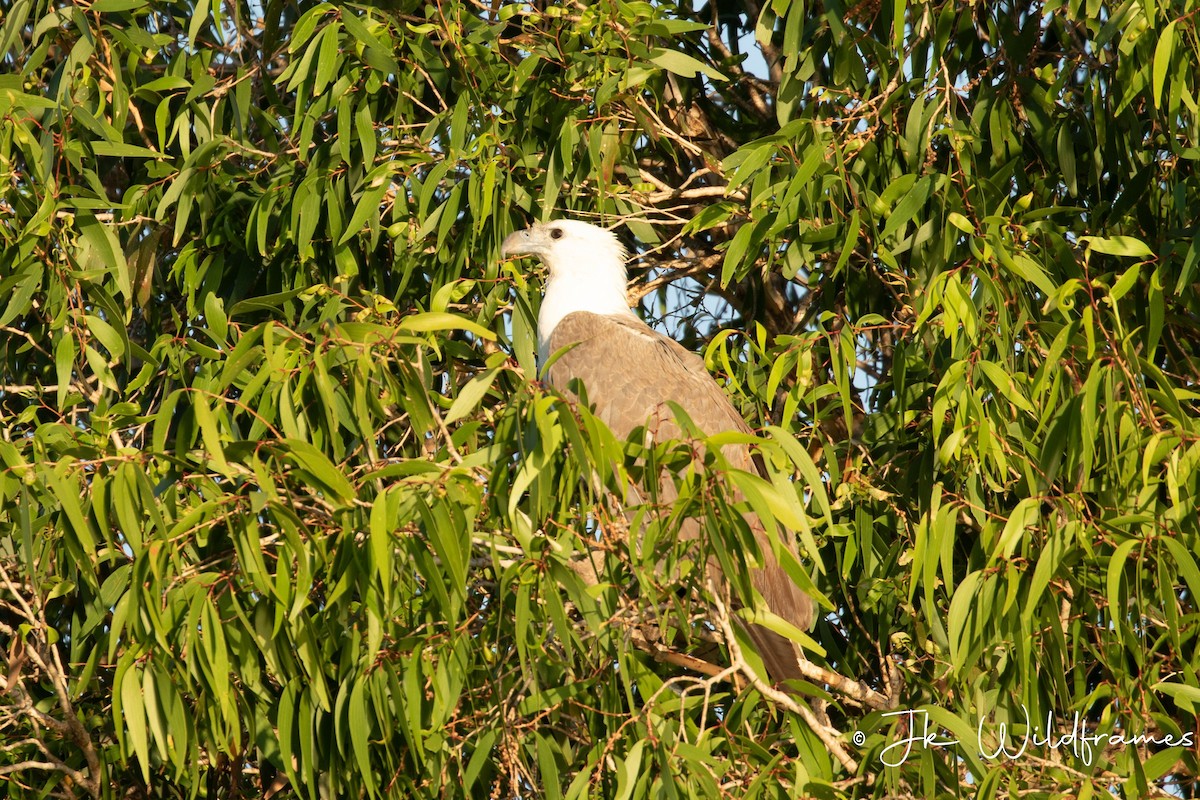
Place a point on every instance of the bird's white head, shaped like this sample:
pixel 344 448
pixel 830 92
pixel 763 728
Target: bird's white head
pixel 587 270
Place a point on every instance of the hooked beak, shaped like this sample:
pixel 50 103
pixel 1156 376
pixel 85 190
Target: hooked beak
pixel 527 242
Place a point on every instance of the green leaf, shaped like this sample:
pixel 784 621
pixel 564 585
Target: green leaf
pixel 374 52
pixel 964 621
pixel 1028 269
pixel 367 208
pixel 1019 521
pixel 682 64
pixel 112 340
pixel 962 223
pixel 313 461
pixel 68 495
pixel 1003 382
pixel 27 282
pixel 1066 158
pixel 360 731
pixel 910 202
pixel 482 754
pixel 1186 696
pixel 1185 562
pixel 152 704
pixel 122 150
pixel 327 60
pixel 471 395
pixel 736 253
pixel 199 17
pixel 115 6
pixel 629 769
pixel 1117 246
pixel 1125 282
pixel 1047 567
pixel 1164 51
pixel 214 314
pixel 1116 571
pixel 429 321
pixel 134 712
pixel 103 241
pixel 207 422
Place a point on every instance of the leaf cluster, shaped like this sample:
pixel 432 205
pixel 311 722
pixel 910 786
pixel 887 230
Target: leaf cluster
pixel 285 512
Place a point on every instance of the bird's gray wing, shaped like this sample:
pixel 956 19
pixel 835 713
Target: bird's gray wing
pixel 630 374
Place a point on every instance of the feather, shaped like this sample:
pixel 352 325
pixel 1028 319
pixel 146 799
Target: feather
pixel 631 374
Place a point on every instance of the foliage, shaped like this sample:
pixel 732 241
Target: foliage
pixel 285 513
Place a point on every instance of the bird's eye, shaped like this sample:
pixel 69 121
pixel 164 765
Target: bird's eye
pixel 556 233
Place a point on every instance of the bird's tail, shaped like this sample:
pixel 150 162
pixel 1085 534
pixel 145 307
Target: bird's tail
pixel 785 599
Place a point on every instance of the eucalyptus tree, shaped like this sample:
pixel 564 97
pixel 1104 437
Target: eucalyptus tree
pixel 285 511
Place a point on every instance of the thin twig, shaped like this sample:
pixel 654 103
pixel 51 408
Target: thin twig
pixel 829 736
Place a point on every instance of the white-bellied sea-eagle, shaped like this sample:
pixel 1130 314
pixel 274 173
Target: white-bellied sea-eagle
pixel 631 374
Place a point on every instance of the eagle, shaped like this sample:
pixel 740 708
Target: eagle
pixel 632 374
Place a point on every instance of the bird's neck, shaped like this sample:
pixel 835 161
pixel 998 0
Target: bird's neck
pixel 579 290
